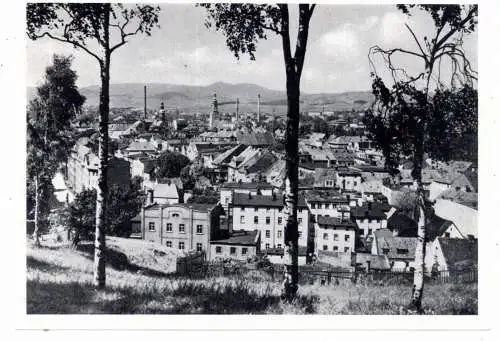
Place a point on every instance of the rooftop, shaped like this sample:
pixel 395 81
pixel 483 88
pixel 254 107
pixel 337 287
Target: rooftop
pixel 239 237
pixel 333 222
pixel 241 199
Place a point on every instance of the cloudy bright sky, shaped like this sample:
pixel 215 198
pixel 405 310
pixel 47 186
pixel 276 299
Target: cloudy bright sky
pixel 183 51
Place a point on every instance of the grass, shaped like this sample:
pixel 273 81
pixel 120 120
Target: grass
pixel 141 281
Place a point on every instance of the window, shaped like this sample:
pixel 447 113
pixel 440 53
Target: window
pixel 300 210
pixel 232 250
pixel 300 221
pixel 300 234
pixel 256 209
pixel 280 209
pixel 218 249
pixel 268 209
pixel 182 228
pixel 175 215
pixel 242 208
pixel 279 246
pixel 181 245
pixel 313 205
pixel 199 229
pixel 227 200
pixel 280 220
pixel 385 251
pixel 325 247
pixel 242 219
pixel 335 248
pixel 267 245
pixel 168 243
pixel 401 251
pixel 335 237
pixel 346 249
pixel 268 220
pixel 268 233
pixel 255 219
pixel 325 236
pixel 244 251
pixel 199 247
pixel 169 227
pixel 447 234
pixel 151 226
pixel 369 232
pixel 280 233
pixel 347 237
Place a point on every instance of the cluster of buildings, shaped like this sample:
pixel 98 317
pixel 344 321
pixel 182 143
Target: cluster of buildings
pixel 348 211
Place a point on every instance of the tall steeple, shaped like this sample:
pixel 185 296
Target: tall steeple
pixel 215 111
pixel 258 108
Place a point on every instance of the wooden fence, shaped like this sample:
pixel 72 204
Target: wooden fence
pixel 197 268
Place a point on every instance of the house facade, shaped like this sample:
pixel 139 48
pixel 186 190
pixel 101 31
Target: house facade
pixel 265 213
pixel 182 226
pixel 334 234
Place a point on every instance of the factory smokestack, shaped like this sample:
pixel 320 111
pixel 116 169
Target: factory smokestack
pixel 237 108
pixel 145 104
pixel 258 108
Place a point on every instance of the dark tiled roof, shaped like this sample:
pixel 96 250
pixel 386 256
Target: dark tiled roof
pixel 331 222
pixel 255 138
pixel 241 199
pixel 348 172
pixel 263 163
pixel 247 185
pixel 366 212
pixel 405 226
pixel 239 237
pixel 196 207
pixel 394 245
pixel 459 253
pixel 437 227
pixel 326 196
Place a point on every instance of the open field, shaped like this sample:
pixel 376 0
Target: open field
pixel 140 280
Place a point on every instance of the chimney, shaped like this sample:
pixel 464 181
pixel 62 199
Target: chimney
pixel 237 108
pixel 145 104
pixel 258 108
pixel 150 196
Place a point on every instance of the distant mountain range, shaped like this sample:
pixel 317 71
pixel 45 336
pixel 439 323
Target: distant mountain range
pixel 199 98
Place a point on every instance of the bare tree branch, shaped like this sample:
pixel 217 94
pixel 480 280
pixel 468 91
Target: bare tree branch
pixel 68 41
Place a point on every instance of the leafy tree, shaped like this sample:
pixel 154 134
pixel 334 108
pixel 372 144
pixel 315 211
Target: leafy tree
pixel 243 25
pixel 83 25
pixel 406 113
pixel 124 204
pixel 170 165
pixel 188 177
pixel 48 133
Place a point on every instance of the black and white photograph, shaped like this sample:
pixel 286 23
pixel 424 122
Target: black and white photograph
pixel 245 158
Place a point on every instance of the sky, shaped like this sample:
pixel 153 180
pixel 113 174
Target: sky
pixel 184 51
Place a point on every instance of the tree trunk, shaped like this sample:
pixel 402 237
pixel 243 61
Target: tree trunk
pixel 290 283
pixel 36 230
pixel 102 188
pixel 419 273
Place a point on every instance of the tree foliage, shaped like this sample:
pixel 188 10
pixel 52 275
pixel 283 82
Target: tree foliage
pixel 170 165
pixel 124 204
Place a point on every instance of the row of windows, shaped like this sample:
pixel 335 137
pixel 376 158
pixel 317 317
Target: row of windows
pixel 268 220
pixel 169 228
pixel 279 234
pixel 181 245
pixel 325 206
pixel 232 250
pixel 267 246
pixel 335 248
pixel 347 237
pixel 256 209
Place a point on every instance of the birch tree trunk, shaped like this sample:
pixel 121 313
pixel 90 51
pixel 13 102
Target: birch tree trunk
pixel 290 283
pixel 419 273
pixel 36 230
pixel 102 188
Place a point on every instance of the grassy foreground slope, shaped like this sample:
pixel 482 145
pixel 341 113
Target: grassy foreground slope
pixel 140 280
